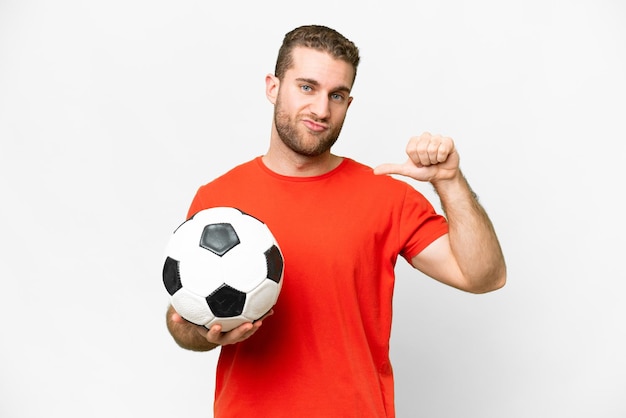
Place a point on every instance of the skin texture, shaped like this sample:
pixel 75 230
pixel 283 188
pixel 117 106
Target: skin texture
pixel 310 105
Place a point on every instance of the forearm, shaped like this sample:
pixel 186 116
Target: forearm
pixel 473 240
pixel 187 335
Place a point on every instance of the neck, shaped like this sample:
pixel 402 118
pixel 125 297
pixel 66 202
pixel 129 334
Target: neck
pixel 287 163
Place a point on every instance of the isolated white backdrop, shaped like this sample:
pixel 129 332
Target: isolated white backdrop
pixel 113 113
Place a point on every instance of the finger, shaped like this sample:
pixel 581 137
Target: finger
pixel 422 153
pixel 417 141
pixel 433 149
pixel 416 148
pixel 242 332
pixel 177 318
pixel 426 149
pixel 445 149
pixel 390 168
pixel 214 334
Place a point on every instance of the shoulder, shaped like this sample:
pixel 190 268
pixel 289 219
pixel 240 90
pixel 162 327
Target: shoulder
pixel 232 179
pixel 226 189
pixel 244 170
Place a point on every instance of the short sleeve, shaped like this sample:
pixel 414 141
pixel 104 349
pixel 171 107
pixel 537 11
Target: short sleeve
pixel 420 224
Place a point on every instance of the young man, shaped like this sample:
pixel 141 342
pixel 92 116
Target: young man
pixel 341 227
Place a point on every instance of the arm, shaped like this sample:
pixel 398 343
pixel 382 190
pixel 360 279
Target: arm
pixel 469 257
pixel 197 338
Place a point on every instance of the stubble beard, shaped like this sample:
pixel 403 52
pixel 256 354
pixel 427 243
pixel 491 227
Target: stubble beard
pixel 294 139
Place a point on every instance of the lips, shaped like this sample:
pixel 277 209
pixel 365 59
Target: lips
pixel 314 126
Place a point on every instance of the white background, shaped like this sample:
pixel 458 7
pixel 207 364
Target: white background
pixel 113 113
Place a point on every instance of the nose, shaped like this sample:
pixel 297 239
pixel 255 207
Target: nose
pixel 320 106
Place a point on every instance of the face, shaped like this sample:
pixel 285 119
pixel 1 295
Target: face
pixel 311 101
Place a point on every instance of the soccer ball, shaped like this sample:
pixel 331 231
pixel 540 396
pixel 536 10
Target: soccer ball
pixel 222 266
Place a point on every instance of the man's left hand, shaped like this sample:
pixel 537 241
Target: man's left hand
pixel 431 158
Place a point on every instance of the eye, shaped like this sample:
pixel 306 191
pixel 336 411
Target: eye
pixel 337 97
pixel 306 88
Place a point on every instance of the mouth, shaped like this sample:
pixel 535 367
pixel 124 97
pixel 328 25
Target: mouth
pixel 314 126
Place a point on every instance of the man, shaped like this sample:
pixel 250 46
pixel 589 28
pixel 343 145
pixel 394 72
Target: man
pixel 341 227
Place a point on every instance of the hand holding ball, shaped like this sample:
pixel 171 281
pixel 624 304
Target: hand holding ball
pixel 223 266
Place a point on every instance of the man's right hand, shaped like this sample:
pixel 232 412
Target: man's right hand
pixel 199 338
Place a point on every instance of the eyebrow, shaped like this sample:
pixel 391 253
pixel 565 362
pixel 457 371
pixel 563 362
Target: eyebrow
pixel 316 83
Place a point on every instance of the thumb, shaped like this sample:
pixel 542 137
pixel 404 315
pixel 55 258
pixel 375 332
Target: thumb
pixel 176 317
pixel 390 168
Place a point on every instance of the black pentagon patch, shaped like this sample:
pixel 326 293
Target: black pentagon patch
pixel 226 301
pixel 274 261
pixel 219 238
pixel 171 276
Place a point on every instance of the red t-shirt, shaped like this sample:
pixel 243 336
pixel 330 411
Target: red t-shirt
pixel 325 351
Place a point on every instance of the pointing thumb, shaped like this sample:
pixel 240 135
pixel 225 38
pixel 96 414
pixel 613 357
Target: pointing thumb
pixel 388 168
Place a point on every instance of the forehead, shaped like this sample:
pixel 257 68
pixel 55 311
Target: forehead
pixel 320 66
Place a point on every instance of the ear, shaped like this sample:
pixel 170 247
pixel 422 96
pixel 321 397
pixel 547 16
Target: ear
pixel 272 84
pixel 350 101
